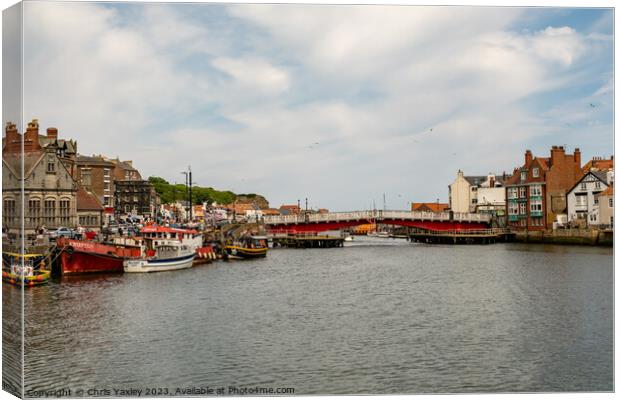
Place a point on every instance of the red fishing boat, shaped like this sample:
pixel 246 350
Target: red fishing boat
pixel 84 256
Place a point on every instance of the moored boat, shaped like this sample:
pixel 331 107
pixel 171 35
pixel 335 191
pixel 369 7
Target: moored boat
pixel 250 247
pixel 165 249
pixel 31 272
pixel 83 256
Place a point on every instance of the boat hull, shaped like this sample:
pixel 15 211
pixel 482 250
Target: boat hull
pixel 40 278
pixel 81 257
pixel 244 252
pixel 170 264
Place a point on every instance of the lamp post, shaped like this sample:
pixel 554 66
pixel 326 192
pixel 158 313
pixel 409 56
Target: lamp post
pixel 186 188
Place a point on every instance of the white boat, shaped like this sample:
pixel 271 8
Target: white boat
pixel 165 249
pixel 166 258
pixel 348 238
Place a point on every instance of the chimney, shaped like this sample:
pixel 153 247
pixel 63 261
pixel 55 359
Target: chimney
pixel 52 133
pixel 504 176
pixel 12 140
pixel 577 157
pixel 31 137
pixel 528 158
pixel 557 152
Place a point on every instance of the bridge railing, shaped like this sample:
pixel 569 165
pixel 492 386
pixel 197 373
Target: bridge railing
pixel 375 215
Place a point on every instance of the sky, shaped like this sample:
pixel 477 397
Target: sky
pixel 337 104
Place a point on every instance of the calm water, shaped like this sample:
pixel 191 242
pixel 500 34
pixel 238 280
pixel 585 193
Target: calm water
pixel 382 316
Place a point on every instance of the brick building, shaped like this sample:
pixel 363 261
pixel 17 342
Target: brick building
pixel 96 174
pixel 49 188
pixel 536 192
pixel 136 197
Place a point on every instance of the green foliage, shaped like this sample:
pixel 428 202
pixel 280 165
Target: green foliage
pixel 170 193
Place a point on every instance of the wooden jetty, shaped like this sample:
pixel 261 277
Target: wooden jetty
pixel 478 236
pixel 307 241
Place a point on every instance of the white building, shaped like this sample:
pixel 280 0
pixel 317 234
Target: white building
pixel 582 200
pixel 604 210
pixel 484 194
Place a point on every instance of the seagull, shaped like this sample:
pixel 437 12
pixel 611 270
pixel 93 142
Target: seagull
pixel 431 129
pixel 592 105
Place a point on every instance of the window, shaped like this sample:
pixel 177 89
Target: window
pixel 106 186
pixel 522 192
pixel 596 200
pixel 584 186
pixel 513 209
pixel 106 173
pixel 512 193
pixel 581 199
pixel 523 175
pixel 65 214
pixel 597 185
pixel 106 201
pixel 535 190
pixel 536 206
pixel 9 211
pixel 611 202
pixel 34 211
pixel 49 212
pixel 535 173
pixel 522 209
pixel 86 177
pixel 474 188
pixel 51 165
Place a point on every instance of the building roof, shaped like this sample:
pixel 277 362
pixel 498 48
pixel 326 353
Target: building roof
pixel 289 207
pixel 607 192
pixel 433 207
pixel 600 175
pixel 271 211
pixel 87 201
pixel 475 180
pixel 93 160
pixel 599 164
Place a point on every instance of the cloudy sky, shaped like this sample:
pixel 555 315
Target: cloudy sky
pixel 339 104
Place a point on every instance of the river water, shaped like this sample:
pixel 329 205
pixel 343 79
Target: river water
pixel 377 316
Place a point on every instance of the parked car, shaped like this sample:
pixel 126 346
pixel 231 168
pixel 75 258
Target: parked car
pixel 63 232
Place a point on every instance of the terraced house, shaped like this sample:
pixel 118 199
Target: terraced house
pixel 536 191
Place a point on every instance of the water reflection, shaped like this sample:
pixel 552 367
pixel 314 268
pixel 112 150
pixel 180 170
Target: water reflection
pixel 373 317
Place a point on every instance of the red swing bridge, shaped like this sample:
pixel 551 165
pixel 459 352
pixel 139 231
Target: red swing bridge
pixel 443 221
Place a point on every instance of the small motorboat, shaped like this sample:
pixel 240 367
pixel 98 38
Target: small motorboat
pixel 248 247
pixel 24 270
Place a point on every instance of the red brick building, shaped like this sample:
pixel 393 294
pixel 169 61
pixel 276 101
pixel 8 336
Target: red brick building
pixel 536 192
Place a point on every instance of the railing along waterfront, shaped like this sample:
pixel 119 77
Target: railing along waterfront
pixel 375 216
pixel 467 232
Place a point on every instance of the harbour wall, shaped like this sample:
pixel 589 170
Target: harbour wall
pixel 588 237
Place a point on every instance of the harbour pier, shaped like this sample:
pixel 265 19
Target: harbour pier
pixel 480 236
pixel 307 241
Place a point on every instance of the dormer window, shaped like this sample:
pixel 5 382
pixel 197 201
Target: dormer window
pixel 523 175
pixel 535 173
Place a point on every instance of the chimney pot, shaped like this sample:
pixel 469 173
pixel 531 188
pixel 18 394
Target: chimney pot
pixel 52 133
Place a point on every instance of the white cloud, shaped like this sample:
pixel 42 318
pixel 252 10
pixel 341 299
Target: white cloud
pixel 254 73
pixel 297 100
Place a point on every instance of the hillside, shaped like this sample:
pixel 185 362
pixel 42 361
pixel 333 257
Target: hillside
pixel 170 193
